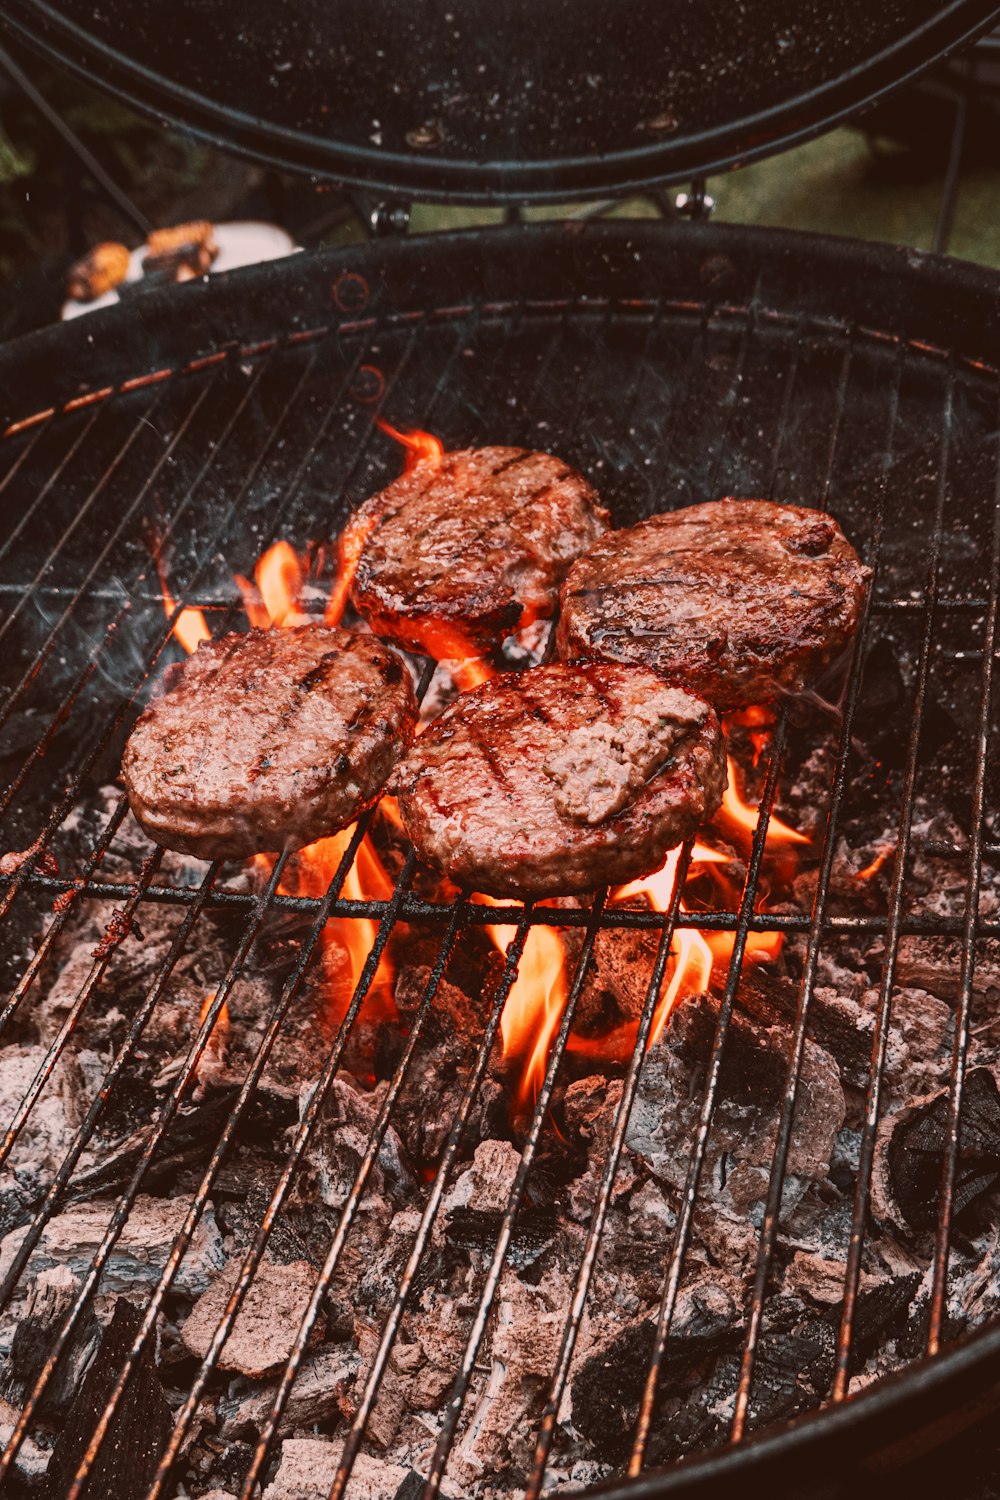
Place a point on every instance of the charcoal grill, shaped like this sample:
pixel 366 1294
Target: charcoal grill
pixel 665 363
pixel 669 363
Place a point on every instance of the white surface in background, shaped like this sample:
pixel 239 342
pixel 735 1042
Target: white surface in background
pixel 244 243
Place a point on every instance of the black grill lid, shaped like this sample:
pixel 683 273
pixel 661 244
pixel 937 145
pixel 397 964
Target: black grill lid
pixel 500 99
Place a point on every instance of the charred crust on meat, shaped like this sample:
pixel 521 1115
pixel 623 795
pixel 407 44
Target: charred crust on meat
pixel 281 737
pixel 463 552
pixel 621 767
pixel 741 600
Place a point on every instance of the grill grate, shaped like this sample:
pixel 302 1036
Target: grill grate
pixel 660 402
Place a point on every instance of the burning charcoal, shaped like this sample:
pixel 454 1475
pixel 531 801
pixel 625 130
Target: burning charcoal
pixel 188 1142
pixel 835 1023
pixel 934 964
pixel 140 1253
pixel 608 1389
pixel 139 1428
pixel 879 1311
pixel 751 1088
pixel 617 980
pixel 794 1364
pixel 316 1396
pixel 308 1467
pixel 912 1146
pixel 472 1229
pixel 526 1328
pixel 49 1298
pixel 341 1139
pixel 32 1460
pixel 266 1324
pixel 486 1183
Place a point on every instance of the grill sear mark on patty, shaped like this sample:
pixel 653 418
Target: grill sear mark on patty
pixel 479 542
pixel 560 779
pixel 269 739
pixel 740 600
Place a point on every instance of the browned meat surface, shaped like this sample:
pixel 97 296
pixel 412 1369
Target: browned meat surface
pixel 268 739
pixel 739 600
pixel 560 779
pixel 460 553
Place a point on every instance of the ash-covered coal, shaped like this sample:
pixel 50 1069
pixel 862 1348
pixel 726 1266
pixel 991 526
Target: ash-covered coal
pixel 596 1421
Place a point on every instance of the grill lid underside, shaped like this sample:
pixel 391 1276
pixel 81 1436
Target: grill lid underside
pixel 513 103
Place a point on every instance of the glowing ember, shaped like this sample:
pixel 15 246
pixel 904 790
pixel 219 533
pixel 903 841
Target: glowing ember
pixel 421 447
pixel 532 1010
pixel 869 870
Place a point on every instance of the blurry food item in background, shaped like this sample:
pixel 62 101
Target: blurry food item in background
pixel 183 252
pixel 98 272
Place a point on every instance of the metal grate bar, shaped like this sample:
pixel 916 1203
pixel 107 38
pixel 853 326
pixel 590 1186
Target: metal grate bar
pixel 102 956
pixel 880 1039
pixel 200 1198
pixel 595 1230
pixel 23 456
pixel 44 651
pixel 448 1155
pixel 254 1255
pixel 776 1180
pixel 963 1013
pixel 697 1158
pixel 66 462
pixel 416 909
pixel 124 1054
pixel 124 1206
pixel 257 914
pixel 62 809
pixel 459 1391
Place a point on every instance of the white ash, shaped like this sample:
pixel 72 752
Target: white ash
pixel 70 1239
pixel 309 1465
pixel 266 1324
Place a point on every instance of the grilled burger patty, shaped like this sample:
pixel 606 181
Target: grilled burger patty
pixel 559 779
pixel 268 739
pixel 741 600
pixel 461 552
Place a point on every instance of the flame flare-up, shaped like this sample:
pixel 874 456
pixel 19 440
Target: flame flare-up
pixel 537 997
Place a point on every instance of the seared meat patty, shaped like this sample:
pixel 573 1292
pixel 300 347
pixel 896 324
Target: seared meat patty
pixel 268 739
pixel 740 600
pixel 560 779
pixel 461 552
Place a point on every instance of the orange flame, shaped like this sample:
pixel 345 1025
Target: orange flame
pixel 215 1043
pixel 421 447
pixel 737 811
pixel 220 1030
pixel 876 864
pixel 352 540
pixel 347 941
pixel 532 1010
pixel 190 627
pixel 759 720
pixel 692 955
pixel 445 641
